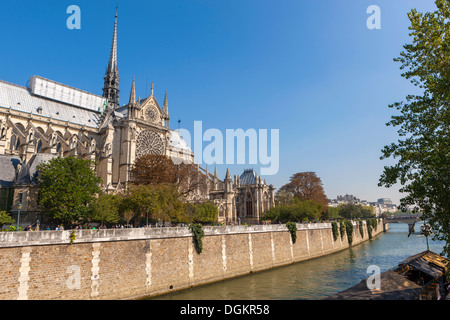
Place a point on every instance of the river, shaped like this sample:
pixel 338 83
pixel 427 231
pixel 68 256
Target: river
pixel 317 278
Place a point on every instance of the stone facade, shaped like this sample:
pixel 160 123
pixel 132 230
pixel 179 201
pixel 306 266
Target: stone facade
pixel 137 263
pixel 49 119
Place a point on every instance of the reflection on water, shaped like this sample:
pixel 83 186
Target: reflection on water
pixel 320 277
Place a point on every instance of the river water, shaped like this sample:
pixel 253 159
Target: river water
pixel 319 277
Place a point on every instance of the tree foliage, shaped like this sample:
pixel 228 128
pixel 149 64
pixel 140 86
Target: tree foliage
pixel 155 203
pixel 202 213
pixel 305 186
pixel 105 208
pixel 67 187
pixel 423 121
pixel 297 211
pixel 160 169
pixel 5 218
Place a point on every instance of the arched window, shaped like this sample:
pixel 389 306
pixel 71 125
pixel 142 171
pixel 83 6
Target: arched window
pixel 249 204
pixel 39 146
pixel 12 143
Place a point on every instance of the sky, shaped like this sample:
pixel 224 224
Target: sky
pixel 310 69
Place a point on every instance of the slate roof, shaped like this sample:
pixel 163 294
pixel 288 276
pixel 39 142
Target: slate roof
pixel 248 177
pixel 8 166
pixel 28 173
pixel 20 98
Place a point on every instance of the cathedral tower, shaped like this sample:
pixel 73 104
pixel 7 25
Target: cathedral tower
pixel 111 84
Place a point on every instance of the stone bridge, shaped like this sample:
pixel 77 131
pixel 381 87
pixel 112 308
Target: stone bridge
pixel 409 219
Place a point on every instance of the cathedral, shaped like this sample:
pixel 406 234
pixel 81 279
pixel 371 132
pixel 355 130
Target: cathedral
pixel 48 119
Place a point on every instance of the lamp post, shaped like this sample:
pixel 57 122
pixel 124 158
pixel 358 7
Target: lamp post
pixel 19 207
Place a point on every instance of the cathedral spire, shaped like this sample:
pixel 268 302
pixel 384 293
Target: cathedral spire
pixel 166 106
pixel 111 84
pixel 133 94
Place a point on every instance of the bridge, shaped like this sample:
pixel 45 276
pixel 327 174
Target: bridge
pixel 409 219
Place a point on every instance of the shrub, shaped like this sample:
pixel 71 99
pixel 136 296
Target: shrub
pixel 334 227
pixel 198 232
pixel 292 227
pixel 349 230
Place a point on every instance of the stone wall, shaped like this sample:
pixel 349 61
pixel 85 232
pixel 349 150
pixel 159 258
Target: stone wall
pixel 136 263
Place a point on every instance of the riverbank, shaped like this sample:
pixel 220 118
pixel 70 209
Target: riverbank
pixel 136 263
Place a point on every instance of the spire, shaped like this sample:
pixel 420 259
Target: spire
pixel 111 79
pixel 133 94
pixel 112 64
pixel 152 88
pixel 228 176
pixel 166 107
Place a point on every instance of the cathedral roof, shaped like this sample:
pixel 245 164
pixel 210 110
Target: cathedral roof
pixel 176 141
pixel 28 174
pixel 8 167
pixel 22 99
pixel 248 177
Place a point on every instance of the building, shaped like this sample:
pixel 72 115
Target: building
pixel 47 119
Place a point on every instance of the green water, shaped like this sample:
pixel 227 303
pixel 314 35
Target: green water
pixel 320 277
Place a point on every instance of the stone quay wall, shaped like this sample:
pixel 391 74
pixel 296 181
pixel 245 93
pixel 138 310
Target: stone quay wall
pixel 137 263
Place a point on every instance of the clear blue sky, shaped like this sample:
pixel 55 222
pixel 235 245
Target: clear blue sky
pixel 311 69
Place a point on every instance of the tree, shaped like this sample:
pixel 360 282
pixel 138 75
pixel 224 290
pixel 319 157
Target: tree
pixel 205 212
pixel 295 212
pixel 152 203
pixel 5 218
pixel 306 186
pixel 352 211
pixel 159 169
pixel 423 153
pixel 67 187
pixel 105 208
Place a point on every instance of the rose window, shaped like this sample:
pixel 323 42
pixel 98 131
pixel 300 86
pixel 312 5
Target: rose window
pixel 149 142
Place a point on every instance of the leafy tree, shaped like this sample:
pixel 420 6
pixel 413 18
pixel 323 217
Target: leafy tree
pixel 105 208
pixel 5 218
pixel 423 153
pixel 352 211
pixel 153 202
pixel 296 211
pixel 67 186
pixel 307 186
pixel 331 213
pixel 206 212
pixel 160 169
pixel 201 213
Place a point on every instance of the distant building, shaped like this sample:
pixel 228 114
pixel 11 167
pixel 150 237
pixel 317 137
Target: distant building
pixel 386 201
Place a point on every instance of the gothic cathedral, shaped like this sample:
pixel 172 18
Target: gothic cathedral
pixel 48 119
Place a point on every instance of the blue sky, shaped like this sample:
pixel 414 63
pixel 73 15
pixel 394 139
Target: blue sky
pixel 311 69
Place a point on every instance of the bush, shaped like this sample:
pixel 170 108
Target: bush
pixel 335 229
pixel 292 227
pixel 349 230
pixel 198 232
pixel 342 229
pixel 361 228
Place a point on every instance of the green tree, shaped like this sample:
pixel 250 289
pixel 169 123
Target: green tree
pixel 423 153
pixel 296 211
pixel 105 208
pixel 159 202
pixel 352 211
pixel 5 218
pixel 67 187
pixel 206 212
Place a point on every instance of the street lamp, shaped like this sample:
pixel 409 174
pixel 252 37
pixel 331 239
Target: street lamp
pixel 19 207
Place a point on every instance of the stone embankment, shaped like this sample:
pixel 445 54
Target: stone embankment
pixel 137 263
